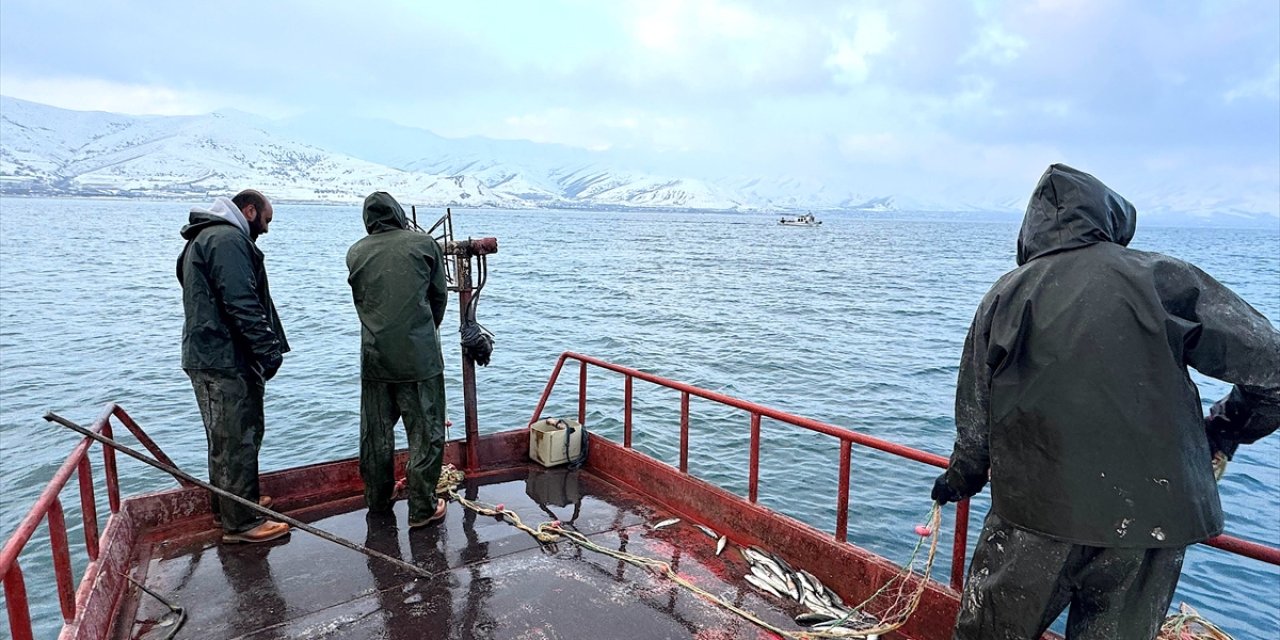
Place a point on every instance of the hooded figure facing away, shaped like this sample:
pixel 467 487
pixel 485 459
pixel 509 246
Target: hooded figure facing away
pixel 232 344
pixel 1075 400
pixel 398 282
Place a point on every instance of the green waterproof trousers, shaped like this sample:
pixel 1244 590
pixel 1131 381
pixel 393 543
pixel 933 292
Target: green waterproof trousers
pixel 1019 582
pixel 231 405
pixel 421 403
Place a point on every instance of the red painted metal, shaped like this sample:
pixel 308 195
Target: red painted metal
pixel 546 391
pixel 15 598
pixel 470 406
pixel 184 511
pixel 582 394
pixel 842 499
pixel 62 560
pixel 48 506
pixel 959 546
pixel 753 483
pixel 1270 555
pixel 143 439
pixel 88 507
pixel 626 412
pixel 684 432
pixel 109 468
pixel 960 537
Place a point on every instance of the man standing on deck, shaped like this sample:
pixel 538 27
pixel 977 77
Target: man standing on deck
pixel 232 344
pixel 1075 401
pixel 397 280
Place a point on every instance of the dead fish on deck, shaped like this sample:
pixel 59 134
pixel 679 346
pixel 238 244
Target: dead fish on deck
pixel 707 530
pixel 666 523
pixel 721 543
pixel 762 585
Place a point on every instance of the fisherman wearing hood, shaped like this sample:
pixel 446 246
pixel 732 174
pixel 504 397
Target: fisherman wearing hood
pixel 398 283
pixel 1074 400
pixel 232 343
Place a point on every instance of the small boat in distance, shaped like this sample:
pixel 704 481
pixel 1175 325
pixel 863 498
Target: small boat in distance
pixel 806 220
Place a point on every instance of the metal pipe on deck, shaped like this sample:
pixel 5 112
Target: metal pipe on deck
pixel 463 251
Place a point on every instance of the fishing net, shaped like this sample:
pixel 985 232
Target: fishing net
pixel 1188 624
pixel 885 610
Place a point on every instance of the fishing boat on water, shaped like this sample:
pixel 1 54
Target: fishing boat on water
pixel 624 546
pixel 806 220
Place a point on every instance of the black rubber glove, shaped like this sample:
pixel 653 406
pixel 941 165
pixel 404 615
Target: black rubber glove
pixel 268 366
pixel 1216 428
pixel 943 493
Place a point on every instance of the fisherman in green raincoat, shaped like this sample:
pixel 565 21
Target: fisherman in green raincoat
pixel 398 281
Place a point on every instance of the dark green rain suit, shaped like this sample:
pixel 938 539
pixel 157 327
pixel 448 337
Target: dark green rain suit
pixel 1074 396
pixel 232 343
pixel 398 282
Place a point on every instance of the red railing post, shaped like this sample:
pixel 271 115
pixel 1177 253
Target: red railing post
pixel 684 432
pixel 842 505
pixel 109 468
pixel 144 439
pixel 88 507
pixel 15 598
pixel 626 412
pixel 546 391
pixel 753 483
pixel 961 545
pixel 582 393
pixel 62 561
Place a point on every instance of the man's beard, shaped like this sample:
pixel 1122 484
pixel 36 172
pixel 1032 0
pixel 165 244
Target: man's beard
pixel 255 230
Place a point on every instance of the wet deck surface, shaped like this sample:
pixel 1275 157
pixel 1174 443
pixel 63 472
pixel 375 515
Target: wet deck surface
pixel 492 580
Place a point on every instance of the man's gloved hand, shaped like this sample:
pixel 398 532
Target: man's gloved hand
pixel 1216 429
pixel 943 493
pixel 268 366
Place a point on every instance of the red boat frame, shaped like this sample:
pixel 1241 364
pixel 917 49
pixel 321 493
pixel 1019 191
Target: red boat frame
pixel 88 611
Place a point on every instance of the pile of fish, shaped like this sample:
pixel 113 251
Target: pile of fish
pixel 771 574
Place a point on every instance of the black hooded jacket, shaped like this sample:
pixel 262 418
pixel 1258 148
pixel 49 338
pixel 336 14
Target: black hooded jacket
pixel 1074 393
pixel 398 283
pixel 231 321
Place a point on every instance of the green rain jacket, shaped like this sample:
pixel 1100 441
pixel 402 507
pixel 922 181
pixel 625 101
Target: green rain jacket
pixel 1074 392
pixel 397 280
pixel 231 321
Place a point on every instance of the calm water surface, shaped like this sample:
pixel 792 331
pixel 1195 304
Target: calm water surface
pixel 858 323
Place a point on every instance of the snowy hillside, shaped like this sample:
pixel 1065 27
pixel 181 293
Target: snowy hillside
pixel 49 151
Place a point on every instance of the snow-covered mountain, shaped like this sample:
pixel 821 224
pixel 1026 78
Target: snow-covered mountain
pixel 45 150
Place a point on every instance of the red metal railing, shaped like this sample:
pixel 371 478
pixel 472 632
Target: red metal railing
pixel 49 506
pixel 847 440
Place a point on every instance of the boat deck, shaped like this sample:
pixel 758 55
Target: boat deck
pixel 491 580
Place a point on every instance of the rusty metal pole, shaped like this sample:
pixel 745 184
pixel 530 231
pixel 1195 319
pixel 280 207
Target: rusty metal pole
pixel 472 421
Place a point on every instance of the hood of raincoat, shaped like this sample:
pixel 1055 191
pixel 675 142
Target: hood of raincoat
pixel 383 213
pixel 222 211
pixel 1071 209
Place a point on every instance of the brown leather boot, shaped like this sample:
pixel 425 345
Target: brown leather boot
pixel 265 532
pixel 441 509
pixel 265 501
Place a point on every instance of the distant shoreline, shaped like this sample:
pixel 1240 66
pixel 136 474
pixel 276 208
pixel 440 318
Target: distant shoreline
pixel 1156 220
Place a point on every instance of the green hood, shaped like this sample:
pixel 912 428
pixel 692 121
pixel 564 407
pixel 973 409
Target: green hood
pixel 383 213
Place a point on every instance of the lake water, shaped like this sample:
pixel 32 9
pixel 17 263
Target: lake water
pixel 859 323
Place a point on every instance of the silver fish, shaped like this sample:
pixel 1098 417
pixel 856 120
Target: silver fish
pixel 721 543
pixel 762 585
pixel 666 523
pixel 752 555
pixel 810 619
pixel 707 530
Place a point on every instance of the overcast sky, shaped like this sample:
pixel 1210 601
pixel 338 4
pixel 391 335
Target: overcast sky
pixel 982 91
